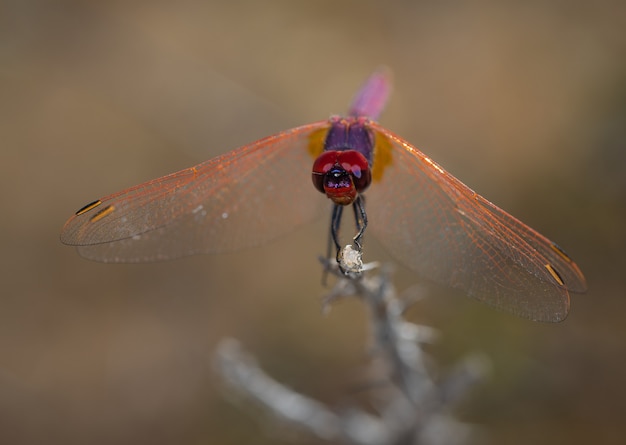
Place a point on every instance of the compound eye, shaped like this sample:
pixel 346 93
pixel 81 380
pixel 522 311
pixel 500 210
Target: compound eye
pixel 357 166
pixel 322 165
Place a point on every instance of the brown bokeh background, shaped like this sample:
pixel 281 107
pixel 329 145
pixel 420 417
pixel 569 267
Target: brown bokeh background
pixel 523 101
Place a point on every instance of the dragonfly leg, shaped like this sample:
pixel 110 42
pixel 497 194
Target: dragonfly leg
pixel 360 217
pixel 335 222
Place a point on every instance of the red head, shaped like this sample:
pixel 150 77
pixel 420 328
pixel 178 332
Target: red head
pixel 341 175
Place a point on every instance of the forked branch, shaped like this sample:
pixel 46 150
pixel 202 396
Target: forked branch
pixel 413 406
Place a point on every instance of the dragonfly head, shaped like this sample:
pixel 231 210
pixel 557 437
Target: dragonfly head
pixel 341 175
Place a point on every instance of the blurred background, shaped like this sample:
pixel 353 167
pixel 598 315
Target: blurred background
pixel 523 101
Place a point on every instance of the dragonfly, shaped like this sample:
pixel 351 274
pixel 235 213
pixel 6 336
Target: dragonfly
pixel 426 218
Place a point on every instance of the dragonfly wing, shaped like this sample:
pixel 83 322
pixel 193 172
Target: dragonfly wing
pixel 440 228
pixel 243 198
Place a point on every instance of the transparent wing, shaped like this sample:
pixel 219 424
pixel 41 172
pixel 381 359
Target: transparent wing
pixel 243 198
pixel 440 228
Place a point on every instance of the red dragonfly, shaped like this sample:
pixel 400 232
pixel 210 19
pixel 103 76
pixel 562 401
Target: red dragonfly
pixel 424 216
